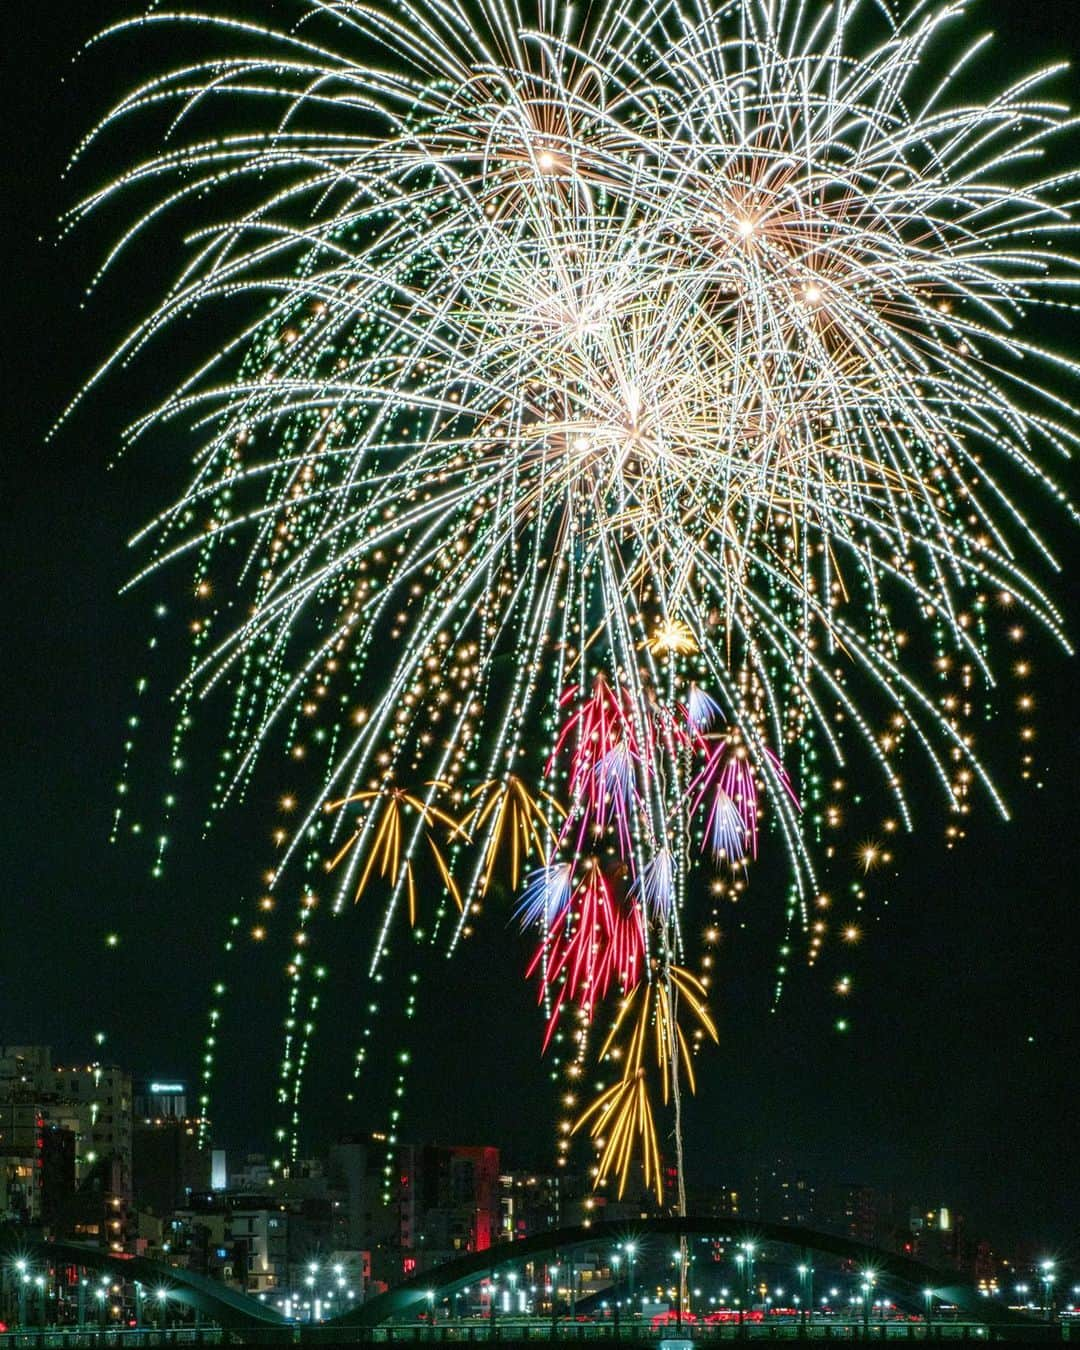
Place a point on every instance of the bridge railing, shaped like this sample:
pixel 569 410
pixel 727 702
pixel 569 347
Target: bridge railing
pixel 521 1336
pixel 68 1338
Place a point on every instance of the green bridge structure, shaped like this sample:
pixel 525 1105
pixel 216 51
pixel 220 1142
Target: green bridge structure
pixel 208 1298
pixel 406 1301
pixel 404 1313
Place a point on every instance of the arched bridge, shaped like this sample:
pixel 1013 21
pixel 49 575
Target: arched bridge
pixel 407 1300
pixel 229 1308
pixel 214 1300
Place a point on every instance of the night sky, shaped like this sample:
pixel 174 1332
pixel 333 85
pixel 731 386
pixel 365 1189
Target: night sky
pixel 957 1082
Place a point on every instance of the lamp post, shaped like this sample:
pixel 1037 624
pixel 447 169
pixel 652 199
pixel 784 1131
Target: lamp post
pixel 747 1265
pixel 806 1292
pixel 22 1279
pixel 631 1252
pixel 928 1294
pixel 1046 1277
pixel 677 1258
pixel 867 1290
pixel 740 1261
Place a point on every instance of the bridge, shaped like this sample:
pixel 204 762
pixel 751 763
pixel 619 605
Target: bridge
pixel 209 1298
pixel 376 1318
pixel 408 1300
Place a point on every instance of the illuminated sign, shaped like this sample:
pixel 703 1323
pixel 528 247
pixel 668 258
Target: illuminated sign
pixel 167 1087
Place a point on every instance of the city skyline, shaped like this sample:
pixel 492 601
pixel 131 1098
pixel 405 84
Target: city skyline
pixel 95 1151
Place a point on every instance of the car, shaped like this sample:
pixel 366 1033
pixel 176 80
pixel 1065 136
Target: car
pixel 665 1319
pixel 725 1316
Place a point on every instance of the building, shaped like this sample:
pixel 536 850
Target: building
pixel 937 1237
pixel 720 1201
pixel 96 1098
pixel 167 1163
pixel 256 1173
pixel 529 1202
pixel 781 1193
pixel 105 1090
pixel 59 1188
pixel 268 1246
pixel 24 1064
pixel 258 1234
pixel 355 1182
pixel 856 1210
pixel 160 1099
pixel 93 1104
pixel 22 1126
pixel 449 1202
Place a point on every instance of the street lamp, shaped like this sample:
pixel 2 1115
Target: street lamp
pixel 631 1252
pixel 1046 1275
pixel 747 1266
pixel 740 1258
pixel 806 1292
pixel 867 1288
pixel 749 1248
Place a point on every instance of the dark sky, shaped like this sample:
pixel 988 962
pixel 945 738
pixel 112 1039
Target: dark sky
pixel 957 1082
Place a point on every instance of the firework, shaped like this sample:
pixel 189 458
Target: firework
pixel 622 1114
pixel 633 406
pixel 384 830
